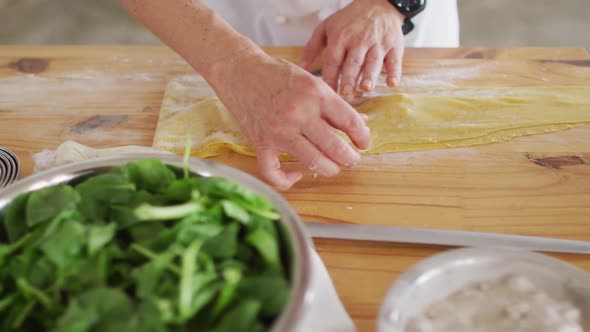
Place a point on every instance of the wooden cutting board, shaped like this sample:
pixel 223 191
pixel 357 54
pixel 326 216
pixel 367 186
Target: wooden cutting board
pixel 535 185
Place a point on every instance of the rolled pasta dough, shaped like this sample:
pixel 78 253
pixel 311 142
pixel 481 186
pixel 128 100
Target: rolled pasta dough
pixel 404 121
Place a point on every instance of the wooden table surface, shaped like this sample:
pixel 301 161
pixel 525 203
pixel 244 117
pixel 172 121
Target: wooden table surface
pixel 537 185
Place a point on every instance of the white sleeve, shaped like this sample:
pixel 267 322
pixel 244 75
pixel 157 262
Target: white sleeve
pixel 436 26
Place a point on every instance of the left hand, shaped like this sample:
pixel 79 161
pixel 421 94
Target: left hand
pixel 358 40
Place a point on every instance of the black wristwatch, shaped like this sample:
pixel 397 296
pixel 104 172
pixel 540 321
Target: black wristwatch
pixel 409 8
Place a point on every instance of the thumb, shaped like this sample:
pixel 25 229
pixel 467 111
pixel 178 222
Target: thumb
pixel 270 170
pixel 314 46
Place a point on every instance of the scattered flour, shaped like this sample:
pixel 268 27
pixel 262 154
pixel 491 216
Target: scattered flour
pixel 441 78
pixel 418 157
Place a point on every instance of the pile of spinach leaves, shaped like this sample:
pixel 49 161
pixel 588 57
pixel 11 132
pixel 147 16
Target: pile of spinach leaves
pixel 142 247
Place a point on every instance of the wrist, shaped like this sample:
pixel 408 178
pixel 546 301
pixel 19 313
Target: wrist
pixel 222 66
pixel 386 6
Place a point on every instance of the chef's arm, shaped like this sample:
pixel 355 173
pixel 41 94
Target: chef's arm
pixel 285 109
pixel 196 32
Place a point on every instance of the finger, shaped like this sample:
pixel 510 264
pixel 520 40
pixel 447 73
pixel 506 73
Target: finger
pixel 307 154
pixel 332 65
pixel 351 70
pixel 341 115
pixel 314 46
pixel 372 68
pixel 327 141
pixel 270 170
pixel 393 66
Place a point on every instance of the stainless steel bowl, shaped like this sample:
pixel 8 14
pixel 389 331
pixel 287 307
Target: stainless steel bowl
pixel 436 277
pixel 300 242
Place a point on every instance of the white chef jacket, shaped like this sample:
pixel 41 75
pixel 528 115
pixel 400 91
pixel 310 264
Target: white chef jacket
pixel 291 22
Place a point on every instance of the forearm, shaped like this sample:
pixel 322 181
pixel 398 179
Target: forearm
pixel 195 32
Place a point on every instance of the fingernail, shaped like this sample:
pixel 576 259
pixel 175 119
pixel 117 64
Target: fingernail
pixel 303 64
pixel 347 90
pixel 294 177
pixel 357 158
pixel 390 82
pixel 367 85
pixel 364 116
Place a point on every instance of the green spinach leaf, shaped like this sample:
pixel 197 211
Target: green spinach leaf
pixel 99 309
pixel 244 315
pixel 271 290
pixel 15 217
pixel 43 205
pixel 267 246
pixel 151 175
pixel 99 236
pixel 225 244
pixel 66 245
pixel 102 191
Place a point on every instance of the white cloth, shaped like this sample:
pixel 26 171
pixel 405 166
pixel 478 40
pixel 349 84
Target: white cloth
pixel 71 151
pixel 291 22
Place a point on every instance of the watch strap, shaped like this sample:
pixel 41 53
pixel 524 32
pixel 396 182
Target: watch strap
pixel 408 26
pixel 409 8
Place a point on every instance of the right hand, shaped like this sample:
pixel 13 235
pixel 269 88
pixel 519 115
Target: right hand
pixel 282 108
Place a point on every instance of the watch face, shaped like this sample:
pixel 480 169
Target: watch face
pixel 411 5
pixel 409 8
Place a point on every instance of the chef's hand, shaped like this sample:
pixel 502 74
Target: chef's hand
pixel 358 40
pixel 282 108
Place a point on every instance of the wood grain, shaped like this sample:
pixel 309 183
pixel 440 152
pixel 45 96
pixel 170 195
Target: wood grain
pixel 538 185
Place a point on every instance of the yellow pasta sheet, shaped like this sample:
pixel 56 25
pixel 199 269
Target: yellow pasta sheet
pixel 403 121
